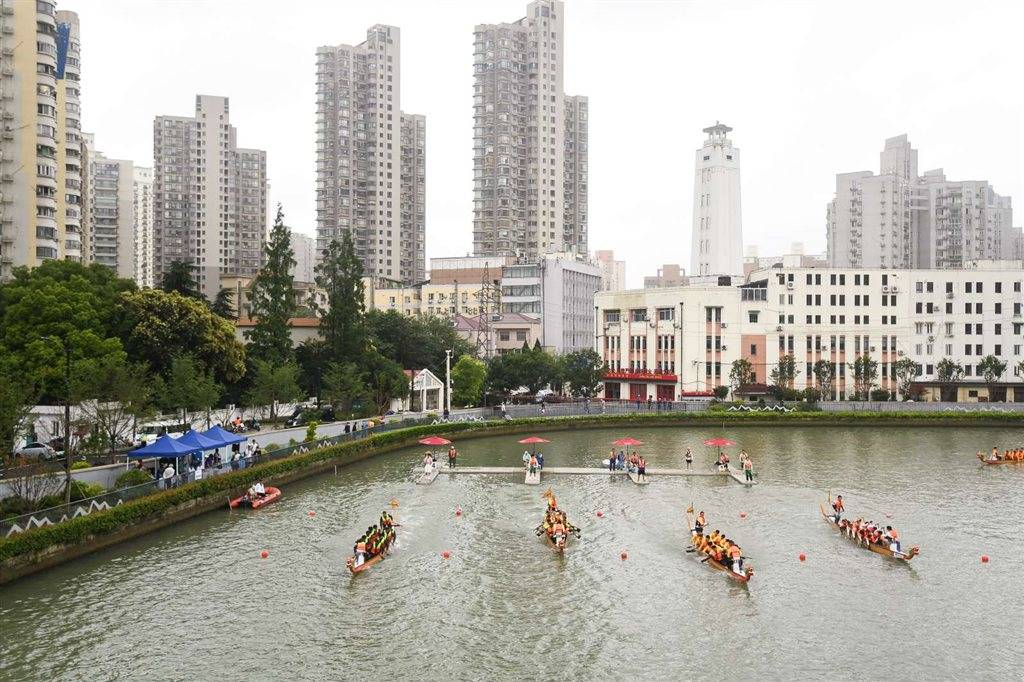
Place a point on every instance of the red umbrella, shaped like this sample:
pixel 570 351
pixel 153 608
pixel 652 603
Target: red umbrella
pixel 719 442
pixel 628 441
pixel 533 439
pixel 435 440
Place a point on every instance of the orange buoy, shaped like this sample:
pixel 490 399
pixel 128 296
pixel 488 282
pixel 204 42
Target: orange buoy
pixel 803 557
pixel 394 503
pixel 743 515
pixel 984 558
pixel 264 554
pixel 600 514
pixel 623 556
pixel 446 554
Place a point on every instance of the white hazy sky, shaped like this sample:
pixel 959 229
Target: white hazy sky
pixel 811 88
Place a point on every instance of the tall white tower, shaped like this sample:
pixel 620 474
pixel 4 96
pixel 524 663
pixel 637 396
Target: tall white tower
pixel 717 247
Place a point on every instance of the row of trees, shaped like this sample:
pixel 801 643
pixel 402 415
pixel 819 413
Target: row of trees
pixel 864 372
pixel 578 373
pixel 132 353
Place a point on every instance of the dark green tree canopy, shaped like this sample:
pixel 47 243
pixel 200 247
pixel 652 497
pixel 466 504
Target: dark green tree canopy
pixel 415 342
pixel 179 278
pixel 272 299
pixel 583 370
pixel 340 277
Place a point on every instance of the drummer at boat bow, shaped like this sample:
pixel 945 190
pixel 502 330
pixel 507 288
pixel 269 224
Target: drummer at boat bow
pixel 838 507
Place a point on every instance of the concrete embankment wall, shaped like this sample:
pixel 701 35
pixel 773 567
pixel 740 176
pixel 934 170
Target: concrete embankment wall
pixel 42 548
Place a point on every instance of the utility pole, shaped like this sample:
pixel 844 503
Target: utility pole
pixel 67 420
pixel 448 383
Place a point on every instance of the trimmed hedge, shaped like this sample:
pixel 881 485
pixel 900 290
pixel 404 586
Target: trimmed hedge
pixel 146 508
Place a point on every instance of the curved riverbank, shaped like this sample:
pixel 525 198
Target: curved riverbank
pixel 42 548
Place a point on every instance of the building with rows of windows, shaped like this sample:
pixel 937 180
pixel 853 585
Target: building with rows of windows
pixel 668 343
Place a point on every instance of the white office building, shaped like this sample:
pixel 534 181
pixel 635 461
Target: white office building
pixel 717 236
pixel 613 272
pixel 559 289
pixel 667 343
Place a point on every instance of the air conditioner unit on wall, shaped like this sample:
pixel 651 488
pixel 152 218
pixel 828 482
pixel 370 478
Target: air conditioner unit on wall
pixel 894 289
pixel 724 325
pixel 885 289
pixel 779 328
pixel 725 347
pixel 789 285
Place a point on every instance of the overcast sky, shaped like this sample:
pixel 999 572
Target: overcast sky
pixel 811 89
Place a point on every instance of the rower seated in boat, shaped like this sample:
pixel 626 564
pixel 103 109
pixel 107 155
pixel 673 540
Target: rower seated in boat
pixel 257 491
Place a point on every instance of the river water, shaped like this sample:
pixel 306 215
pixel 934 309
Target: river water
pixel 196 602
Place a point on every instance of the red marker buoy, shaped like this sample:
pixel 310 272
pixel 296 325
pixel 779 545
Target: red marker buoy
pixel 458 511
pixel 446 554
pixel 312 513
pixel 984 558
pixel 600 514
pixel 803 557
pixel 264 554
pixel 888 515
pixel 743 515
pixel 623 556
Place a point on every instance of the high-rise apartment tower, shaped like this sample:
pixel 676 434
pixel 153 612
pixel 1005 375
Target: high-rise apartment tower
pixel 209 197
pixel 370 157
pixel 529 140
pixel 40 144
pixel 142 190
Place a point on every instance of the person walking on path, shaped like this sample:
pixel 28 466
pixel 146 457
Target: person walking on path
pixel 748 469
pixel 689 458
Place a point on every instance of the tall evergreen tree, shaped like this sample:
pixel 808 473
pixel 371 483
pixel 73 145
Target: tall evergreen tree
pixel 223 305
pixel 180 278
pixel 272 299
pixel 340 277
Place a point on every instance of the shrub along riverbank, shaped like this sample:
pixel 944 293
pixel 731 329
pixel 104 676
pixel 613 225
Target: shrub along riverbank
pixel 40 548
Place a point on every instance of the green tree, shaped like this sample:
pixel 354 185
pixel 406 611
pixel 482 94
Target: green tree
pixel 155 324
pixel 114 398
pixel 741 374
pixel 344 389
pixel 583 370
pixel 188 389
pixel 272 299
pixel 385 380
pixel 223 305
pixel 17 396
pixel 904 371
pixel 415 342
pixel 991 369
pixel 468 376
pixel 785 372
pixel 339 277
pixel 271 384
pixel 58 300
pixel 533 369
pixel 825 373
pixel 865 371
pixel 312 358
pixel 950 373
pixel 179 278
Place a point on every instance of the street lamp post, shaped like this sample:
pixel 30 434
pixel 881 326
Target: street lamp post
pixel 67 418
pixel 448 383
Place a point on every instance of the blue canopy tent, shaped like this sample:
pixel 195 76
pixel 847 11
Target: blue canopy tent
pixel 222 437
pixel 198 441
pixel 164 446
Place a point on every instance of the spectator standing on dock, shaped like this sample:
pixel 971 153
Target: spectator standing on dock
pixel 540 460
pixel 533 465
pixel 689 457
pixel 526 459
pixel 611 461
pixel 621 464
pixel 453 454
pixel 748 468
pixel 641 469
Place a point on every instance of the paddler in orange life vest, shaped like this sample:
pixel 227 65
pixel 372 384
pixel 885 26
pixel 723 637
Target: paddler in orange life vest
pixel 838 507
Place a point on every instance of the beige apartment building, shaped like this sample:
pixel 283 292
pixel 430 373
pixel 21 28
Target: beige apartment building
pixel 41 172
pixel 142 203
pixel 669 275
pixel 425 298
pixel 613 272
pixel 209 196
pixel 370 157
pixel 109 213
pixel 529 140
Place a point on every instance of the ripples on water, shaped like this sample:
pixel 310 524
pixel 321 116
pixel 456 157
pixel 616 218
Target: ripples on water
pixel 196 602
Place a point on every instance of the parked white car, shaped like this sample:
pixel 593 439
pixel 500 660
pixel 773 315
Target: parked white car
pixel 36 450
